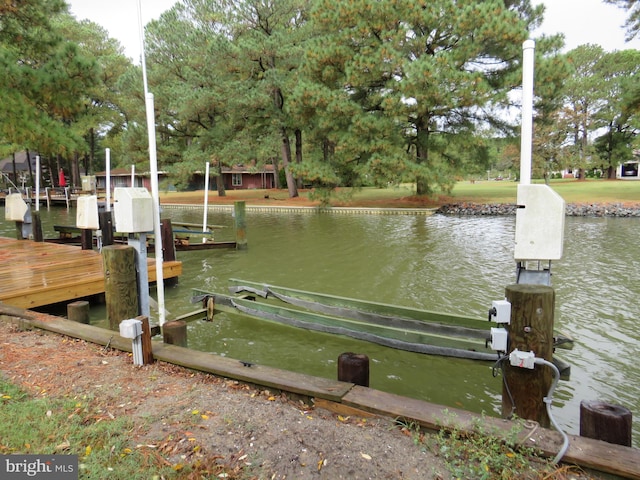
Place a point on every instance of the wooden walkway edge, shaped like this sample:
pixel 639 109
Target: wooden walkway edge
pixel 33 274
pixel 340 396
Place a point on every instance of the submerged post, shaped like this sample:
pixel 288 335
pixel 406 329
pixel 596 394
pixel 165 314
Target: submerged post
pixel 353 368
pixel 175 333
pixel 605 421
pixel 530 330
pixel 78 311
pixel 241 225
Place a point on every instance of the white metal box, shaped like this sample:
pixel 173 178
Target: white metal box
pixel 87 212
pixel 15 208
pixel 132 209
pixel 88 183
pixel 502 309
pixel 130 328
pixel 539 223
pixel 499 339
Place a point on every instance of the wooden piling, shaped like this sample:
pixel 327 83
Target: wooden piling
pixel 106 227
pixel 531 329
pixel 168 243
pixel 175 333
pixel 353 368
pixel 147 346
pixel 121 286
pixel 78 311
pixel 36 225
pixel 86 239
pixel 607 422
pixel 241 225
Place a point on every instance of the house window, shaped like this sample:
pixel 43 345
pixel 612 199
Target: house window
pixel 236 179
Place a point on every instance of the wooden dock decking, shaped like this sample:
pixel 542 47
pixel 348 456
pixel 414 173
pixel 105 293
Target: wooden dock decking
pixel 33 274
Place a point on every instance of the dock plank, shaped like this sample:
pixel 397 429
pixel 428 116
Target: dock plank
pixel 33 274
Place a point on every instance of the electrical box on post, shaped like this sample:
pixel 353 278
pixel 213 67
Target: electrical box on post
pixel 522 359
pixel 15 208
pixel 501 311
pixel 132 210
pixel 499 338
pixel 130 328
pixel 539 223
pixel 87 212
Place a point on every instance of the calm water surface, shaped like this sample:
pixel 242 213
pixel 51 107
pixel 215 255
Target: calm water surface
pixel 457 265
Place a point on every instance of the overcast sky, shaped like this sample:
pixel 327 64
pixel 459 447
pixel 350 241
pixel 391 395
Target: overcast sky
pixel 582 21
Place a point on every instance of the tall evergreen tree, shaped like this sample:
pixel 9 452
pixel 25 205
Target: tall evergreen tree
pixel 408 82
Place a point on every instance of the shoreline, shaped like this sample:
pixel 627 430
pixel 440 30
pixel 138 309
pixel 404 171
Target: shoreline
pixel 572 209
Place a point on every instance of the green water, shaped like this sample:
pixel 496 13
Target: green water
pixel 456 265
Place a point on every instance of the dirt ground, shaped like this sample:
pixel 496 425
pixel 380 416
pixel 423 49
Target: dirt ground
pixel 185 417
pixel 253 432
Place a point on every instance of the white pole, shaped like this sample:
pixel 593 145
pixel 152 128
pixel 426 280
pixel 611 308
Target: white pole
pixel 37 182
pixel 528 54
pixel 133 175
pixel 153 160
pixel 206 198
pixel 108 165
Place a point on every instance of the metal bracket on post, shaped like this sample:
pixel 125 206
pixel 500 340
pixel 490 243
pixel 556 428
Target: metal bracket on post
pixel 140 245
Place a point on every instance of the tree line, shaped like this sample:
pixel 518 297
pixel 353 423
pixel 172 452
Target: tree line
pixel 331 92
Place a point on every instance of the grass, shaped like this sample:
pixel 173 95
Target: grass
pixel 484 455
pixel 80 426
pixel 573 191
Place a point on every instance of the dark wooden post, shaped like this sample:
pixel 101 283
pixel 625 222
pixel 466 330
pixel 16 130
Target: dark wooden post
pixel 121 286
pixel 603 421
pixel 78 311
pixel 353 368
pixel 19 235
pixel 168 243
pixel 241 225
pixel 175 333
pixel 106 227
pixel 147 348
pixel 531 329
pixel 86 239
pixel 36 224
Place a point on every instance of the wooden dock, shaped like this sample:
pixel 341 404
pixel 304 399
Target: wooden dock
pixel 34 274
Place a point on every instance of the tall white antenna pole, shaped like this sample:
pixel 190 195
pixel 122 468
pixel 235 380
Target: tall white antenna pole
pixel 206 199
pixel 153 160
pixel 37 181
pixel 107 205
pixel 526 133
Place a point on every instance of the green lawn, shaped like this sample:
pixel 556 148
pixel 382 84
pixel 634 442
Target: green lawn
pixel 573 191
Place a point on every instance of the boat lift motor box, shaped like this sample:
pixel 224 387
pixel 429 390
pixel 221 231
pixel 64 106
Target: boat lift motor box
pixel 132 210
pixel 88 183
pixel 15 208
pixel 539 223
pixel 87 212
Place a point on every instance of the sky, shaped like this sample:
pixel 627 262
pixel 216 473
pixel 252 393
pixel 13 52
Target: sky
pixel 581 21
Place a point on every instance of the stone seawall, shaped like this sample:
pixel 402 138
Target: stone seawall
pixel 573 209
